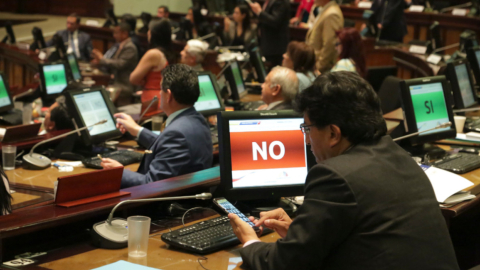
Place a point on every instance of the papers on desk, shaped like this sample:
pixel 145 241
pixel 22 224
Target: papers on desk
pixel 445 184
pixel 123 265
pixel 470 136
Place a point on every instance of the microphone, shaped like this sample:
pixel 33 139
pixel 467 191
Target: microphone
pixel 113 233
pixel 229 63
pixel 443 125
pixel 446 48
pixel 206 36
pixel 468 4
pixel 467 110
pixel 155 98
pixel 36 161
pixel 239 47
pixel 26 93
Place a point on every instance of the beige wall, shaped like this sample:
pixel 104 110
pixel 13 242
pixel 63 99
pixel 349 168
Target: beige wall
pixel 136 7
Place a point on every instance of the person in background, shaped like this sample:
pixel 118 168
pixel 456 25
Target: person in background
pixel 132 21
pixel 351 52
pixel 5 197
pixel 184 146
pixel 57 116
pixel 273 21
pixel 78 42
pixel 303 12
pixel 322 36
pixel 164 13
pixel 389 16
pixel 279 89
pixel 301 58
pixel 240 31
pixel 148 72
pixel 121 64
pixel 194 53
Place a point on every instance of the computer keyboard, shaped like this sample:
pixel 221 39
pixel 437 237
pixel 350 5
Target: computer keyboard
pixel 459 163
pixel 125 157
pixel 204 237
pixel 472 125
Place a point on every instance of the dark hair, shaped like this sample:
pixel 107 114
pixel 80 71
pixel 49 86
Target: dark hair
pixel 165 8
pixel 60 116
pixel 346 100
pixel 244 9
pixel 131 20
pixel 352 47
pixel 198 17
pixel 302 56
pixel 76 16
pixel 5 197
pixel 161 34
pixel 182 80
pixel 124 27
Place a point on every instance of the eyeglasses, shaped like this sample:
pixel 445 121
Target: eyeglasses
pixel 305 128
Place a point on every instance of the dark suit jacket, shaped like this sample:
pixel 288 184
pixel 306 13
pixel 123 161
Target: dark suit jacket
pixel 392 17
pixel 370 208
pixel 84 43
pixel 282 106
pixel 185 146
pixel 273 25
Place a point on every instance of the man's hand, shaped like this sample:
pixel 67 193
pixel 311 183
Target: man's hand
pixel 242 230
pixel 97 55
pixel 126 123
pixel 256 8
pixel 276 220
pixel 108 163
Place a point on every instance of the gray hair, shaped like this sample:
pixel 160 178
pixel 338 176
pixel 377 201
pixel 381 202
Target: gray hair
pixel 287 80
pixel 198 49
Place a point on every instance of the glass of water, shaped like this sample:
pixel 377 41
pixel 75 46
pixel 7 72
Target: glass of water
pixel 8 157
pixel 157 122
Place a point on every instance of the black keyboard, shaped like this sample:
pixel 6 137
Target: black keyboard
pixel 125 157
pixel 472 125
pixel 459 163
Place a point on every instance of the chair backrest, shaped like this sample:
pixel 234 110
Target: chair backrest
pixel 389 94
pixel 376 75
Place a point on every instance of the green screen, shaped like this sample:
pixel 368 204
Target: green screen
pixel 208 97
pixel 237 75
pixel 4 98
pixel 74 67
pixel 429 106
pixel 55 79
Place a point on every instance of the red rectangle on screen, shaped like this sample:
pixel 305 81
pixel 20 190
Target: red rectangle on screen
pixel 242 150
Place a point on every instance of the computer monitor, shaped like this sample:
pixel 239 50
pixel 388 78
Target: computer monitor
pixel 6 102
pixel 74 69
pixel 89 106
pixel 263 155
pixel 427 103
pixel 473 56
pixel 209 102
pixel 257 62
pixel 53 78
pixel 233 74
pixel 464 94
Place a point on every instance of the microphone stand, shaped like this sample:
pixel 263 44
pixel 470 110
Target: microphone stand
pixel 155 98
pixel 444 125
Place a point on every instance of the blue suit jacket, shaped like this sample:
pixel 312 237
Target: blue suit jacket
pixel 84 43
pixel 185 146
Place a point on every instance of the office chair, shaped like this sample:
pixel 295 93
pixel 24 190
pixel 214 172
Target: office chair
pixel 376 75
pixel 389 94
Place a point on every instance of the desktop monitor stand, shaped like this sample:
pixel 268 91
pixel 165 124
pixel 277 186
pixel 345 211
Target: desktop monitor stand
pixel 72 148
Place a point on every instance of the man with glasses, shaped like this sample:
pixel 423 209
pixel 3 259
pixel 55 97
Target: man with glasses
pixel 367 204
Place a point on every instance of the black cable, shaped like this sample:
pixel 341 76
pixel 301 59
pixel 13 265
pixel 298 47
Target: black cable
pixel 200 259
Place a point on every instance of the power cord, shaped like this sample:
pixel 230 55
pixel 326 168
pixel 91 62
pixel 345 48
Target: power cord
pixel 200 259
pixel 194 208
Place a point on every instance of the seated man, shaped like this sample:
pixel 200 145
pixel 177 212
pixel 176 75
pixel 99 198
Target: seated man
pixel 132 21
pixel 279 89
pixel 78 41
pixel 121 64
pixel 164 13
pixel 194 53
pixel 57 117
pixel 367 205
pixel 185 146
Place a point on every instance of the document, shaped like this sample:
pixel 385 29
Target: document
pixel 123 265
pixel 444 183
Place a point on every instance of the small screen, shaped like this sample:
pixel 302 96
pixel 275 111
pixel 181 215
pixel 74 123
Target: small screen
pixel 429 107
pixel 208 99
pixel 477 54
pixel 237 75
pixel 267 152
pixel 55 79
pixel 72 61
pixel 4 98
pixel 260 63
pixel 93 109
pixel 464 85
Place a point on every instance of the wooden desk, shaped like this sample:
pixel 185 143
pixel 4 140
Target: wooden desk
pixel 159 256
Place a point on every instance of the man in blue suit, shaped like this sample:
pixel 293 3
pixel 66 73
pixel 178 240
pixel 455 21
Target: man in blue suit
pixel 78 41
pixel 184 146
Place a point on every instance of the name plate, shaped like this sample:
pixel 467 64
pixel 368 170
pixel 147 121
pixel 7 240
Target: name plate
pixel 434 59
pixel 416 8
pixel 459 12
pixel 418 49
pixel 92 23
pixel 365 4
